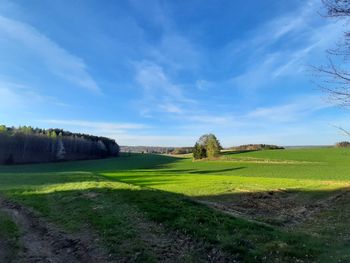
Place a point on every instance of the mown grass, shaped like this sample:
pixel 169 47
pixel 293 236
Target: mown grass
pixel 160 190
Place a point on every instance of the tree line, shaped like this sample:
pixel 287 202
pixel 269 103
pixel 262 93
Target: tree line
pixel 26 144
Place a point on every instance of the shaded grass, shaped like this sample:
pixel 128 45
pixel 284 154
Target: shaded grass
pixel 9 238
pixel 112 214
pixel 159 190
pixel 332 226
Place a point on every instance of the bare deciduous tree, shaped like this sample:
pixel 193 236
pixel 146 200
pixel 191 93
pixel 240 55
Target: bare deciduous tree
pixel 335 75
pixel 337 8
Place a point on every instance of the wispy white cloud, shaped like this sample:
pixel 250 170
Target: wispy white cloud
pixel 102 127
pixel 153 140
pixel 295 21
pixel 172 49
pixel 218 119
pixel 161 96
pixel 177 52
pixel 57 59
pixel 19 96
pixel 203 84
pixel 284 46
pixel 290 112
pixel 154 82
pixel 159 93
pixel 124 133
pixel 171 108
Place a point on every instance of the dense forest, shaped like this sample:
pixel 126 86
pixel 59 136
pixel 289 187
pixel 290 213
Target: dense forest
pixel 32 145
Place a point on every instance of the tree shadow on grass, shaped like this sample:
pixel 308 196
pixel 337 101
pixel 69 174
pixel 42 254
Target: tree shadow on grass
pixel 197 171
pixel 123 163
pixel 42 175
pixel 238 152
pixel 106 210
pixel 163 177
pixel 144 179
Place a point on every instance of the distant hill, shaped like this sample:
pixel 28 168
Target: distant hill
pixel 33 145
pixel 255 147
pixel 156 149
pixel 307 146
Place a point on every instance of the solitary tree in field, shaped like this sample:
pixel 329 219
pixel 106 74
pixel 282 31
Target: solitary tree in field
pixel 207 146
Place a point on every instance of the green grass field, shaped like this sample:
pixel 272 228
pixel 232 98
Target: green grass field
pixel 268 206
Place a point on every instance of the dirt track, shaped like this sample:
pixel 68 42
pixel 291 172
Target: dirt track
pixel 43 242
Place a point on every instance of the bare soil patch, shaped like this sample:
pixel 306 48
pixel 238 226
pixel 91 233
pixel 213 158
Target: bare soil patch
pixel 5 251
pixel 284 208
pixel 44 242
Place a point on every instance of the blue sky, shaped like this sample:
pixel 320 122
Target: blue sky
pixel 165 72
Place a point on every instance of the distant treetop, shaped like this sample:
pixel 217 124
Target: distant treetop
pixel 26 144
pixel 53 133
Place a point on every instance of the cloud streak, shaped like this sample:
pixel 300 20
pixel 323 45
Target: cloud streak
pixel 283 46
pixel 19 96
pixel 97 126
pixel 159 93
pixel 290 112
pixel 57 59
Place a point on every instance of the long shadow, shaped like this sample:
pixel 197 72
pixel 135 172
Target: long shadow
pixel 238 152
pixel 41 175
pixel 196 171
pixel 108 212
pixel 216 171
pixel 177 212
pixel 153 178
pixel 125 162
pixel 143 179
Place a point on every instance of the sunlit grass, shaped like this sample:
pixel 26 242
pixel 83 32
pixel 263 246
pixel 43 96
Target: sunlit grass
pixel 108 194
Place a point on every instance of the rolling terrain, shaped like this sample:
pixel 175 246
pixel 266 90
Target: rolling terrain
pixel 263 206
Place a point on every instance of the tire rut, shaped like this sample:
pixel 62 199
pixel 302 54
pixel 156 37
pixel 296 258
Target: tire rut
pixel 43 242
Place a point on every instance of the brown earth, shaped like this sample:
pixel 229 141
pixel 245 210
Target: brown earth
pixel 43 242
pixel 6 251
pixel 284 208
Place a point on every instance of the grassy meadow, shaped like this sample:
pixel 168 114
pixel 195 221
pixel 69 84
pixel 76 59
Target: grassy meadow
pixel 264 206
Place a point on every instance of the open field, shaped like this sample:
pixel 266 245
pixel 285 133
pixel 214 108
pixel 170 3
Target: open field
pixel 268 206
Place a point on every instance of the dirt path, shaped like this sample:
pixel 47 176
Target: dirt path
pixel 43 242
